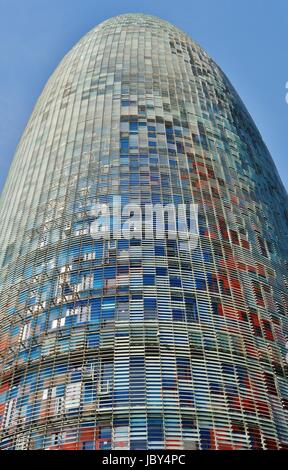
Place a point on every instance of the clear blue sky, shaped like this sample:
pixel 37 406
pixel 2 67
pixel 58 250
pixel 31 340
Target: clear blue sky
pixel 247 38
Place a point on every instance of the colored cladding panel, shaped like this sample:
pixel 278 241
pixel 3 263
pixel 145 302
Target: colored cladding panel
pixel 142 344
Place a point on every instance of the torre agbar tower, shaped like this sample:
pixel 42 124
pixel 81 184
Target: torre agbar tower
pixel 142 344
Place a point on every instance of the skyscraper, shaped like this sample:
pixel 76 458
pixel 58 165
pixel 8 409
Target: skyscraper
pixel 142 343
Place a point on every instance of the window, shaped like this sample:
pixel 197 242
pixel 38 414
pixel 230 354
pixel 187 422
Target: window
pixel 9 413
pixel 89 256
pixel 26 331
pixel 87 282
pixel 73 395
pixel 83 313
pixel 58 323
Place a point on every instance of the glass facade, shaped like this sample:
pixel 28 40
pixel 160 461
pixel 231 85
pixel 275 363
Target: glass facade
pixel 142 344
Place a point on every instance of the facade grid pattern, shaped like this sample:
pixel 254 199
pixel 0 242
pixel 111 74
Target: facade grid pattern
pixel 142 344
